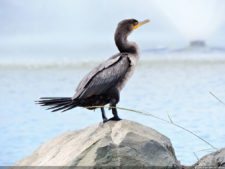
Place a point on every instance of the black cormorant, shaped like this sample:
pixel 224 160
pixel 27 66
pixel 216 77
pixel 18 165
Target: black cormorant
pixel 103 84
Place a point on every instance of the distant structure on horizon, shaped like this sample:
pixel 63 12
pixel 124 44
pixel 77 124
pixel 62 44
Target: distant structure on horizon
pixel 198 44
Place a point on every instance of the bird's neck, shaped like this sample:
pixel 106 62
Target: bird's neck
pixel 124 45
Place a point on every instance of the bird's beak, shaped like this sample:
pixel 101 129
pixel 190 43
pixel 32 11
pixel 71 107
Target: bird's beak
pixel 141 23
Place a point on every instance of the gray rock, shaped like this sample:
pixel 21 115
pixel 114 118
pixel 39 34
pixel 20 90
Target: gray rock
pixel 213 160
pixel 123 143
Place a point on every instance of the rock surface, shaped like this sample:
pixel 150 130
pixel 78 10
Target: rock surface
pixel 213 160
pixel 123 143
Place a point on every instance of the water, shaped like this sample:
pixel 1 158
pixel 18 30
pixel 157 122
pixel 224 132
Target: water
pixel 179 87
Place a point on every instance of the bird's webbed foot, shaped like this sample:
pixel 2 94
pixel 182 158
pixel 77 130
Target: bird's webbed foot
pixel 113 119
pixel 105 120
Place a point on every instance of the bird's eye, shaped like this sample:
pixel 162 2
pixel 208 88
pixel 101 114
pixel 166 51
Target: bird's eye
pixel 135 23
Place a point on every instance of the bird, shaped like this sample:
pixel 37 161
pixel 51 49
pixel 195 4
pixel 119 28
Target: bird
pixel 103 84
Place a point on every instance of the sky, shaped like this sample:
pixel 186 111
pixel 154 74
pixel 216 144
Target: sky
pixel 31 26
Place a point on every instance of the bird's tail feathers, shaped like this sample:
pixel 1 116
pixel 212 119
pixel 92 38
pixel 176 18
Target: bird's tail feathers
pixel 58 103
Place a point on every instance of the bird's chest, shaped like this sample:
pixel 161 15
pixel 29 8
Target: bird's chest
pixel 133 62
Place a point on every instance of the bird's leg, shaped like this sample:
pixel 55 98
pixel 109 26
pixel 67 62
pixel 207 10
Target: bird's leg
pixel 115 114
pixel 115 97
pixel 104 118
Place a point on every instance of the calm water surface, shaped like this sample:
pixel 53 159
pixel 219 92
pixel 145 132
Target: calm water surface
pixel 180 89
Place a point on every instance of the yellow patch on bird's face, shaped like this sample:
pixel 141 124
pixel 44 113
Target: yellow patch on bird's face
pixel 137 25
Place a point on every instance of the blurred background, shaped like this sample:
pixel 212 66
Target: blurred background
pixel 47 46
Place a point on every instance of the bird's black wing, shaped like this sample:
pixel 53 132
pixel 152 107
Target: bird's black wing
pixel 103 77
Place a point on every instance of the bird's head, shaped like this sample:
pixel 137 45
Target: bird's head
pixel 124 28
pixel 128 25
